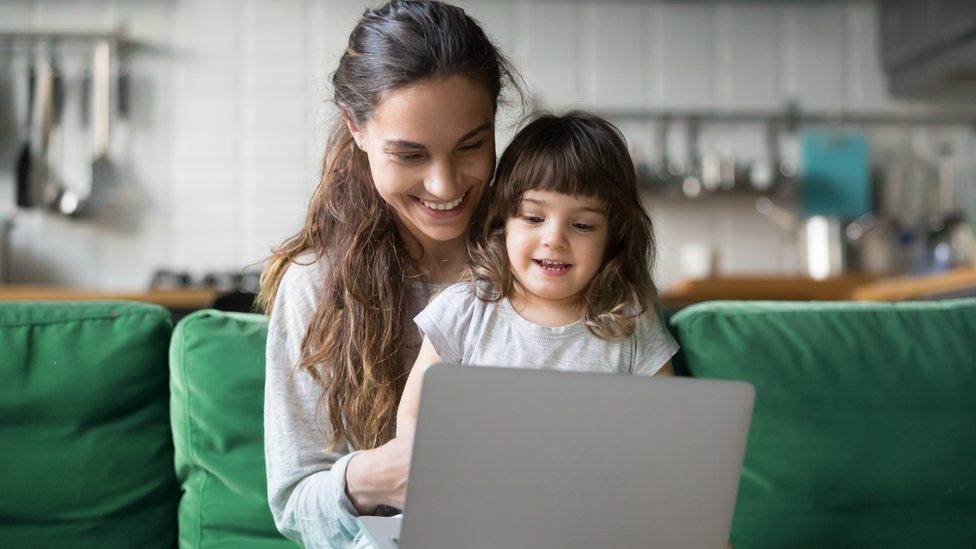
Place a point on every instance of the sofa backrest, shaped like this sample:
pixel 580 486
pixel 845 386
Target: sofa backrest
pixel 864 430
pixel 86 454
pixel 217 386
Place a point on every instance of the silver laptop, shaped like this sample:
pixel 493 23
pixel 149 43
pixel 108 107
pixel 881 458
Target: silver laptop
pixel 518 458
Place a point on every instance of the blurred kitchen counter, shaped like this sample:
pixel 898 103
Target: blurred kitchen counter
pixel 773 288
pixel 955 283
pixel 179 299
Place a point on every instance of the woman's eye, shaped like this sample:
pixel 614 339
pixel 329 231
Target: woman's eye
pixel 472 146
pixel 406 157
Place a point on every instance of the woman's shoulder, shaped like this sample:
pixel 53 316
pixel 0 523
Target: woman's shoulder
pixel 307 268
pixel 297 296
pixel 303 279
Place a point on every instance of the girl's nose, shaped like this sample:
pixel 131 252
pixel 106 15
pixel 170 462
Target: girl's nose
pixel 554 238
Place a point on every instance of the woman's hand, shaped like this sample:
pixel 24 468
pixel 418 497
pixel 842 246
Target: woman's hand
pixel 379 476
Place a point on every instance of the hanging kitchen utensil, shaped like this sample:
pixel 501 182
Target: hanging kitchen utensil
pixel 75 201
pixel 122 97
pixel 22 188
pixel 663 176
pixel 6 226
pixel 52 188
pixel 763 173
pixel 693 181
pixel 41 130
pixel 836 173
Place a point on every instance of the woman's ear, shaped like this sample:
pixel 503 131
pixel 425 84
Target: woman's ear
pixel 357 133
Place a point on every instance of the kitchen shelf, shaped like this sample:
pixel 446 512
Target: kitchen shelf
pixel 791 117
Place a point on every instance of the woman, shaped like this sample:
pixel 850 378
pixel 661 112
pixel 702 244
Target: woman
pixel 417 88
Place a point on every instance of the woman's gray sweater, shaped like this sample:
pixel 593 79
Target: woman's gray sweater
pixel 307 483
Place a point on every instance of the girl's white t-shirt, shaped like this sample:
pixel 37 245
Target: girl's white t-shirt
pixel 466 330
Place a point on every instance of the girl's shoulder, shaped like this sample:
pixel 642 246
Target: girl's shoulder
pixel 462 294
pixel 459 300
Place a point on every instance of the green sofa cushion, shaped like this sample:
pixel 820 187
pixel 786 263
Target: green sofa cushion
pixel 217 385
pixel 85 446
pixel 864 430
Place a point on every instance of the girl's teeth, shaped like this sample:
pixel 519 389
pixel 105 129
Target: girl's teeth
pixel 443 206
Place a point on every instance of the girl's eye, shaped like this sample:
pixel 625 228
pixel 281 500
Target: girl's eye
pixel 472 146
pixel 532 219
pixel 583 227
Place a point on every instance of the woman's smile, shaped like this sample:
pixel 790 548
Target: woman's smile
pixel 442 210
pixel 431 154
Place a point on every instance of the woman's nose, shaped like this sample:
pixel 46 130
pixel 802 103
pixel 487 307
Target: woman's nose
pixel 443 180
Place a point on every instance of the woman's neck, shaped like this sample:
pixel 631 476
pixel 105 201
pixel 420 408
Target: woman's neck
pixel 545 312
pixel 438 262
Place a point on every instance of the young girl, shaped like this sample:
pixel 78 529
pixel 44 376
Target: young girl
pixel 559 268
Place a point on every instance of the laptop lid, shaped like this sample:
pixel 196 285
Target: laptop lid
pixel 516 458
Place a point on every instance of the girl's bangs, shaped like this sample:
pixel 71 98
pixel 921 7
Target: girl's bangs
pixel 562 166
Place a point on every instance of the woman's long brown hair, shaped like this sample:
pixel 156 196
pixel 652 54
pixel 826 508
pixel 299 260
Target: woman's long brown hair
pixel 354 346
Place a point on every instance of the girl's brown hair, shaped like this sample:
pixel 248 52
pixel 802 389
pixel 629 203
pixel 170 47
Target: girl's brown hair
pixel 578 154
pixel 354 346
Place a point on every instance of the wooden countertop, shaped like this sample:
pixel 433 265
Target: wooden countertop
pixel 918 287
pixel 775 288
pixel 171 299
pixel 686 292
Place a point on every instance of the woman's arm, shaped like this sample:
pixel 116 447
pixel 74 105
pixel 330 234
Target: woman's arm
pixel 306 482
pixel 410 401
pixel 308 490
pixel 378 477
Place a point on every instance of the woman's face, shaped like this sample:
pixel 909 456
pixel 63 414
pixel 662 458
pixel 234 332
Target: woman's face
pixel 431 149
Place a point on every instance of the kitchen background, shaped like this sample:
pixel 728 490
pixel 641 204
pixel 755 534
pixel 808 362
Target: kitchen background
pixel 217 153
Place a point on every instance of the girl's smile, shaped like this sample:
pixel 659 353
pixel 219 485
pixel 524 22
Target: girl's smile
pixel 553 268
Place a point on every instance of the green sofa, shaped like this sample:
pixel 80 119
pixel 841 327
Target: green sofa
pixel 117 430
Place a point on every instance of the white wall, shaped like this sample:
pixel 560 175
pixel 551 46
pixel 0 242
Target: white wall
pixel 230 110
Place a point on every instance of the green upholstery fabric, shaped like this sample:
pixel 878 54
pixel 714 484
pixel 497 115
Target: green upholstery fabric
pixel 864 431
pixel 86 455
pixel 217 385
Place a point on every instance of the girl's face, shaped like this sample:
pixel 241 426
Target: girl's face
pixel 431 149
pixel 556 244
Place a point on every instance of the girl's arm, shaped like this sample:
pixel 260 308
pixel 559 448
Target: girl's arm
pixel 666 370
pixel 410 400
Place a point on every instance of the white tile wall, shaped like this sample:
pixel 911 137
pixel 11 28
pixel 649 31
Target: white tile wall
pixel 231 111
